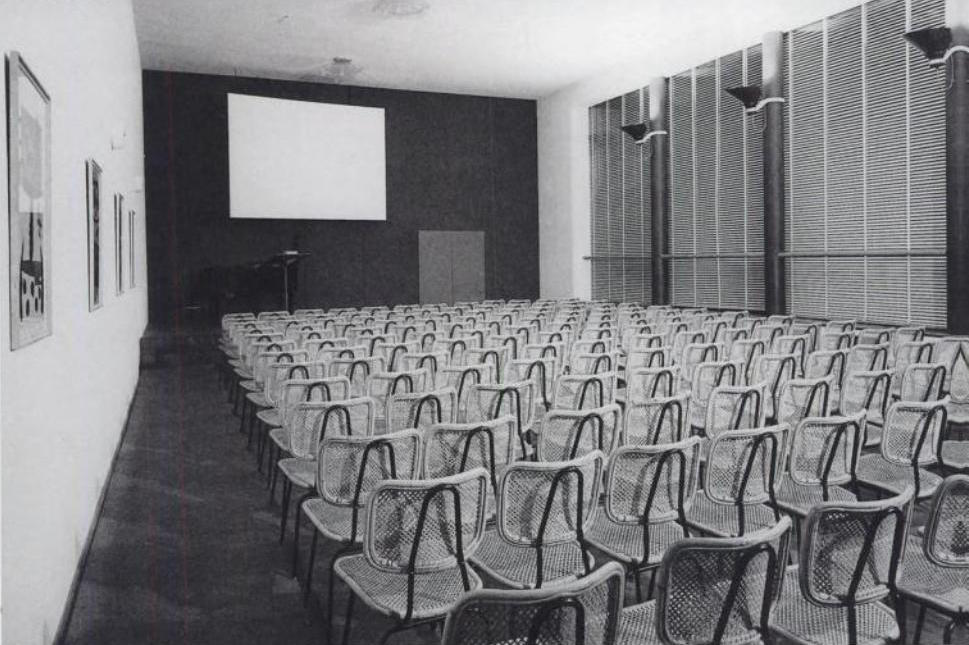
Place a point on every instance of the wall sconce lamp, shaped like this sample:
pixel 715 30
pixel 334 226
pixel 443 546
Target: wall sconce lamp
pixel 935 43
pixel 641 133
pixel 750 96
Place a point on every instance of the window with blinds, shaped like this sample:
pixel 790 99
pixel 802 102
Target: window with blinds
pixel 866 168
pixel 716 181
pixel 621 238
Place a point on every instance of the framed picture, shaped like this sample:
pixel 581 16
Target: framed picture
pixel 131 249
pixel 93 173
pixel 118 243
pixel 28 147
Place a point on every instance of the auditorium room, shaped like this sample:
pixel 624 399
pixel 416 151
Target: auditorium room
pixel 484 322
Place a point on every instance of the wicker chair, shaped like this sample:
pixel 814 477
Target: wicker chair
pixel 358 371
pixel 734 407
pixel 648 492
pixel 568 434
pixel 348 469
pixel 743 471
pixel 585 611
pixel 492 400
pixel 692 356
pixel 421 409
pixel 935 570
pixel 868 391
pixel 605 362
pixel 541 371
pixel 804 397
pixel 848 562
pixel 769 333
pixel 867 358
pixel 421 360
pixel 383 385
pixel 911 437
pixel 953 352
pixel 680 340
pixel 828 363
pixel 712 590
pixel 656 421
pixel 922 382
pixel 746 352
pixel 707 377
pixel 824 457
pixel 793 344
pixel 544 511
pixel 775 370
pixel 310 423
pixel 416 542
pixel 584 391
pixel 906 354
pixel 462 378
pixel 647 383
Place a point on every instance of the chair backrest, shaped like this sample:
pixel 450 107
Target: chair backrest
pixel 421 360
pixel 600 363
pixel 551 502
pixel 707 377
pixel 735 407
pixel 909 353
pixel 421 409
pixel 451 448
pixel 584 611
pixel 295 391
pixel 310 421
pixel 539 370
pixel 656 421
pixel 350 467
pixel 499 357
pixel 953 352
pixel 867 358
pixel 922 382
pixel 804 397
pixel 744 467
pixel 793 344
pixel 694 354
pixel 720 590
pixel 567 434
pixel 358 370
pixel 648 383
pixel 652 484
pixel 912 431
pixel 774 370
pixel 584 391
pixel 850 551
pixel 828 362
pixel 492 400
pixel 382 385
pixel 769 333
pixel 746 351
pixel 426 525
pixel 825 450
pixel 946 540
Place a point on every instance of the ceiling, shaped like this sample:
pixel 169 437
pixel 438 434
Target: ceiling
pixel 513 48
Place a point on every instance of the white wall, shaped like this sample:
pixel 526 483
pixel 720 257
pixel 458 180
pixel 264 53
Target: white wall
pixel 65 398
pixel 697 31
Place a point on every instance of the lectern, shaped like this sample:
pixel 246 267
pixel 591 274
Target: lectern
pixel 285 261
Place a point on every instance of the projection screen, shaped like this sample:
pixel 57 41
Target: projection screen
pixel 305 160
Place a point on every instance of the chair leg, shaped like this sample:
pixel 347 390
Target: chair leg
pixel 309 569
pixel 348 619
pixel 652 583
pixel 947 634
pixel 296 523
pixel 287 491
pixel 242 415
pixel 272 487
pixel 918 626
pixel 638 574
pixel 331 579
pixel 901 618
pixel 260 444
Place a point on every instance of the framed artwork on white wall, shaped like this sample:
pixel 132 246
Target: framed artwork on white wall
pixel 28 147
pixel 93 174
pixel 118 244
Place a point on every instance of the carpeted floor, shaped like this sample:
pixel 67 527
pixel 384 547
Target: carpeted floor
pixel 186 549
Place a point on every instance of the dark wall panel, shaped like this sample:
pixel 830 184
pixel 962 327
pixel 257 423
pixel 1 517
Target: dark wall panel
pixel 453 163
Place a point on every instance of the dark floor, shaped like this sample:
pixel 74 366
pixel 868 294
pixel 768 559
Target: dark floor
pixel 186 550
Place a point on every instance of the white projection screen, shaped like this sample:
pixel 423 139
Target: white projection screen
pixel 305 160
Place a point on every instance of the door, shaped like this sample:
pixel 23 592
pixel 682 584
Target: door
pixel 451 266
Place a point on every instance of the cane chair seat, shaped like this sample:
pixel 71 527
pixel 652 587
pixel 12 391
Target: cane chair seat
pixel 624 542
pixel 258 399
pixel 798 499
pixel 874 470
pixel 637 625
pixel 270 417
pixel 299 470
pixel 944 588
pixel 722 521
pixel 567 434
pixel 280 437
pixel 435 592
pixel 333 521
pixel 707 377
pixel 250 385
pixel 586 611
pixel 806 623
pixel 516 566
pixel 955 454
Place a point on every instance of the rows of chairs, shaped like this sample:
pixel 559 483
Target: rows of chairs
pixel 521 445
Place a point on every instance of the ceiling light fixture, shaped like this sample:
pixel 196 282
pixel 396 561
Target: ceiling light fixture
pixel 401 7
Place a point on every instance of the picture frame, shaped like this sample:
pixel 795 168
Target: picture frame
pixel 118 244
pixel 29 183
pixel 93 181
pixel 131 249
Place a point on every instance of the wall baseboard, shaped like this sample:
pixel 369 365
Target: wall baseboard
pixel 60 637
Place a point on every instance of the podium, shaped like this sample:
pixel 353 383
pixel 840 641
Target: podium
pixel 285 261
